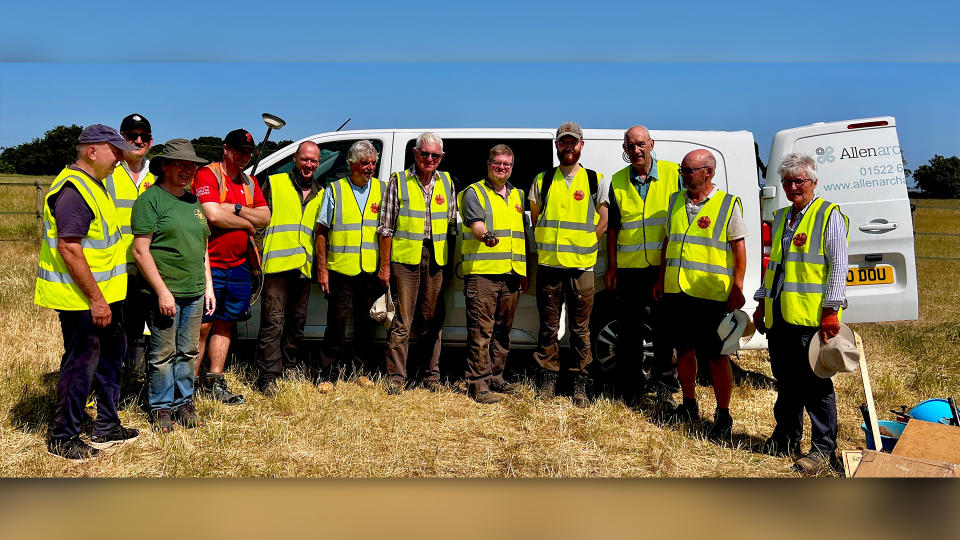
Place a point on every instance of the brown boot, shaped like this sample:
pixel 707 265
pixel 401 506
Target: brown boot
pixel 579 396
pixel 548 384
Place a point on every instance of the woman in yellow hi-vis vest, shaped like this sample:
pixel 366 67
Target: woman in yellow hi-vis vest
pixel 347 260
pixel 494 255
pixel 83 275
pixel 418 218
pixel 701 280
pixel 802 295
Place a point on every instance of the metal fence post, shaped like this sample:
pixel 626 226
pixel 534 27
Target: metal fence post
pixel 36 184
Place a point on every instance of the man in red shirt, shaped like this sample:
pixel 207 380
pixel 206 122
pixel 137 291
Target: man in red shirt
pixel 234 207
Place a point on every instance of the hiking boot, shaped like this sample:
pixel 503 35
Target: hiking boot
pixel 722 427
pixel 511 389
pixel 363 382
pixel 162 420
pixel 433 386
pixel 292 373
pixel 579 397
pixel 394 387
pixel 487 397
pixel 815 461
pixel 72 449
pixel 186 416
pixel 665 402
pixel 548 384
pixel 117 435
pixel 775 448
pixel 684 414
pixel 221 392
pixel 269 388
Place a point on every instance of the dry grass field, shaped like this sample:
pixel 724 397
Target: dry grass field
pixel 363 432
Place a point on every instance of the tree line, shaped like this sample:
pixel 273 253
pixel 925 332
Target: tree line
pixel 47 155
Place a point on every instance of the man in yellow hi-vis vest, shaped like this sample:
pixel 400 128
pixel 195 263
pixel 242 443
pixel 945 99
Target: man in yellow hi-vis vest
pixel 639 195
pixel 83 276
pixel 568 205
pixel 287 261
pixel 127 181
pixel 494 261
pixel 701 280
pixel 347 258
pixel 418 221
pixel 802 295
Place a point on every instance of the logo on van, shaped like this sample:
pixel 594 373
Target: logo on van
pixel 825 155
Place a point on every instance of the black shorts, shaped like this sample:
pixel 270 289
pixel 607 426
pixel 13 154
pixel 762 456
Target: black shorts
pixel 692 323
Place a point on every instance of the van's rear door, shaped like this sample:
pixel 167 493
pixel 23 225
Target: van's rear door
pixel 860 168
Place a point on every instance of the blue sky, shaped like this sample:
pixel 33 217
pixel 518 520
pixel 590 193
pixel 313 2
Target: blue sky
pixel 201 69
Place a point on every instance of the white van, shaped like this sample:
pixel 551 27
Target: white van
pixel 860 168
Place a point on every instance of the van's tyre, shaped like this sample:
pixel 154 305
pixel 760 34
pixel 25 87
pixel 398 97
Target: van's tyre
pixel 617 372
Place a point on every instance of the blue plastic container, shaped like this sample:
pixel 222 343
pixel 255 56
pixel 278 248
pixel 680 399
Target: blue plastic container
pixel 888 442
pixel 931 410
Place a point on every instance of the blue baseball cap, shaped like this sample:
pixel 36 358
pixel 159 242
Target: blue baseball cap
pixel 98 133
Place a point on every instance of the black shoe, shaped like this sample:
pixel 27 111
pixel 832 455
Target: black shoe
pixel 579 397
pixel 221 392
pixel 548 384
pixel 72 449
pixel 186 415
pixel 684 414
pixel 815 461
pixel 117 435
pixel 722 427
pixel 268 388
pixel 775 448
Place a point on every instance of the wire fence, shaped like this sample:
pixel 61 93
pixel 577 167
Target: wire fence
pixel 37 211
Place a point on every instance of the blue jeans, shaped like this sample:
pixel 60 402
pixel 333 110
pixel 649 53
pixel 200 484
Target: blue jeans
pixel 172 353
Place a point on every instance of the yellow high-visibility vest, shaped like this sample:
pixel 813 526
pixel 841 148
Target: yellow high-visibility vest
pixel 407 244
pixel 804 267
pixel 699 259
pixel 352 243
pixel 566 229
pixel 643 222
pixel 102 248
pixel 124 191
pixel 503 218
pixel 288 239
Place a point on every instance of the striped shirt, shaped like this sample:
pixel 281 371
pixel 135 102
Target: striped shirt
pixel 390 205
pixel 835 251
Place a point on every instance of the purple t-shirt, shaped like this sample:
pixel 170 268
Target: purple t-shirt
pixel 71 211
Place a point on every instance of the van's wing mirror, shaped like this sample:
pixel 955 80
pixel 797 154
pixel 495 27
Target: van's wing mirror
pixel 768 192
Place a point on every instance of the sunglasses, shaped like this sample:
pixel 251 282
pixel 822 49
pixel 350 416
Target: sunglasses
pixel 432 155
pixel 132 136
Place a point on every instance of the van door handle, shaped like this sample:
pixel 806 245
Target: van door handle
pixel 878 227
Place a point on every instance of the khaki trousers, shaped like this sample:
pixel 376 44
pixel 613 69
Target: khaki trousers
pixel 416 290
pixel 556 287
pixel 491 302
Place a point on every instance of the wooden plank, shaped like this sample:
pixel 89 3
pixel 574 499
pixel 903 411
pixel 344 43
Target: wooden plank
pixel 927 440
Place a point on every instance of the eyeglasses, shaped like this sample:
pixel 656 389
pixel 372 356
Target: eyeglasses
pixel 797 182
pixel 689 170
pixel 132 136
pixel 432 155
pixel 503 164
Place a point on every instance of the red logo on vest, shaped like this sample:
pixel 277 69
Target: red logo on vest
pixel 578 195
pixel 374 207
pixel 800 239
pixel 519 210
pixel 439 198
pixel 704 222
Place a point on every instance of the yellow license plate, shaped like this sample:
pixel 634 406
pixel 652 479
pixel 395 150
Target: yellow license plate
pixel 881 274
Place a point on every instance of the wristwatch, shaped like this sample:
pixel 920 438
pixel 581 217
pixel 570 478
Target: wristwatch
pixel 236 209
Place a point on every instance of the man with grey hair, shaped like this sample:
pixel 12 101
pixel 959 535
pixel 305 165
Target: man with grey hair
pixel 418 224
pixel 294 200
pixel 347 258
pixel 801 299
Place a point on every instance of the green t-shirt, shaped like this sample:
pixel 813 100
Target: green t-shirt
pixel 179 243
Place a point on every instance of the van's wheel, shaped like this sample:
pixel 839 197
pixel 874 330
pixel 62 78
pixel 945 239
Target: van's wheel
pixel 628 370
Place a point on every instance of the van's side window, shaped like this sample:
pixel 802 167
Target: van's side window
pixel 333 161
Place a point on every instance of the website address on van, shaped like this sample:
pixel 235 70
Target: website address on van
pixel 864 184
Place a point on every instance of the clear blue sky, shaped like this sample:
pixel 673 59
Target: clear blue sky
pixel 201 69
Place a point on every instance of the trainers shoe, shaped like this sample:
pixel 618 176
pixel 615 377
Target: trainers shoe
pixel 363 382
pixel 162 420
pixel 117 435
pixel 221 392
pixel 394 387
pixel 72 449
pixel 186 415
pixel 487 398
pixel 815 461
pixel 722 427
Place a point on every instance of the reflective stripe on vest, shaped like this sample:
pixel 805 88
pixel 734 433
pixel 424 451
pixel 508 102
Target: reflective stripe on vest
pixel 699 259
pixel 288 239
pixel 805 271
pixel 510 253
pixel 352 241
pixel 102 249
pixel 407 244
pixel 566 230
pixel 124 192
pixel 643 222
